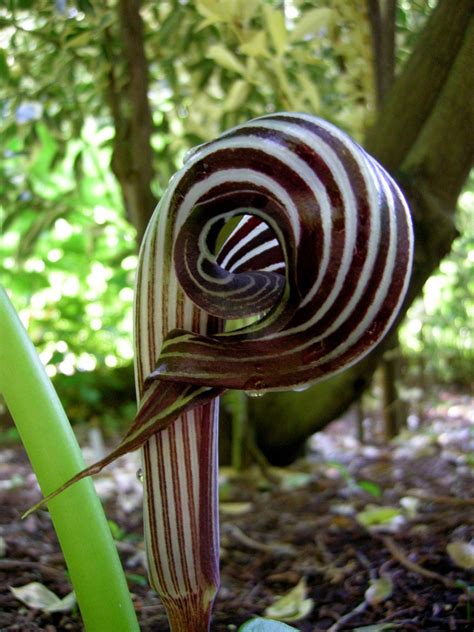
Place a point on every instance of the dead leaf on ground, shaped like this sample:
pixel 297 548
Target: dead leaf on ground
pixel 293 606
pixel 235 509
pixel 462 554
pixel 36 596
pixel 379 590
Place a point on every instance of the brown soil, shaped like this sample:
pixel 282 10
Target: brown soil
pixel 279 535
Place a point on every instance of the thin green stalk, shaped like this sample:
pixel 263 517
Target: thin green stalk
pixel 94 566
pixel 238 406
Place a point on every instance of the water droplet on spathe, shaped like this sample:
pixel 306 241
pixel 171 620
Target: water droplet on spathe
pixel 191 153
pixel 255 387
pixel 301 387
pixel 140 475
pixel 255 394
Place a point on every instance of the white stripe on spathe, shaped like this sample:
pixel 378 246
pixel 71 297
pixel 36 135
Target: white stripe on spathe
pixel 260 228
pixel 251 254
pixel 243 175
pixel 158 277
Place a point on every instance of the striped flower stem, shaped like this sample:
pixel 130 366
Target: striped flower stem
pixel 320 259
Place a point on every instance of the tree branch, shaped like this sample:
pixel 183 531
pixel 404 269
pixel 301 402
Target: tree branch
pixel 382 21
pixel 416 90
pixel 437 165
pixel 442 156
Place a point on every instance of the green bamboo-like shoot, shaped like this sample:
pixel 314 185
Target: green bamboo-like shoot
pixel 91 557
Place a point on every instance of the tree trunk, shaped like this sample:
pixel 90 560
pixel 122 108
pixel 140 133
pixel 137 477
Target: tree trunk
pixel 382 14
pixel 391 405
pixel 132 160
pixel 359 416
pixel 424 137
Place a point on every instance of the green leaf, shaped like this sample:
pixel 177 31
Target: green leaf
pixel 293 480
pixel 137 579
pixel 237 96
pixel 117 532
pixel 44 155
pixel 171 23
pixel 342 469
pixel 215 10
pixel 370 488
pixel 225 58
pixel 4 70
pixel 275 24
pixel 373 515
pixel 260 624
pixel 235 509
pixel 312 22
pixel 310 92
pixel 256 45
pixel 77 41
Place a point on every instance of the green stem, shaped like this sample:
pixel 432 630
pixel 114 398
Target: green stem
pixel 77 515
pixel 238 405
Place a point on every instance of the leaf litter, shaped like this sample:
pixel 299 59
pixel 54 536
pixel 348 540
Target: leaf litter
pixel 300 531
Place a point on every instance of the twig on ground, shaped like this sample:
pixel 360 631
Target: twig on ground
pixel 442 500
pixel 326 556
pixel 401 557
pixel 347 617
pixel 46 571
pixel 366 563
pixel 239 535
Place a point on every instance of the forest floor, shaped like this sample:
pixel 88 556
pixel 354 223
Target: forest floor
pixel 365 532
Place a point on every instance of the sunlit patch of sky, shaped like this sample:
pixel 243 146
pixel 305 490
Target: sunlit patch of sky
pixel 34 265
pixel 63 229
pixel 291 12
pixel 111 361
pixel 125 348
pixel 126 294
pixel 28 111
pixel 55 254
pixel 129 263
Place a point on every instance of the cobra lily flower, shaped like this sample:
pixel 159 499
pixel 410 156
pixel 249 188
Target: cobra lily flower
pixel 322 256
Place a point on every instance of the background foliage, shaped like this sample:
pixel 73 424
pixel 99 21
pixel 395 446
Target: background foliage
pixel 437 333
pixel 68 252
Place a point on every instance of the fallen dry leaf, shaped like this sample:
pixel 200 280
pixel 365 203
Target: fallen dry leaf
pixel 292 606
pixel 36 596
pixel 462 554
pixel 379 590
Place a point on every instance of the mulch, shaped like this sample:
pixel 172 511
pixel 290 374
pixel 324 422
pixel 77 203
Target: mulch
pixel 273 535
